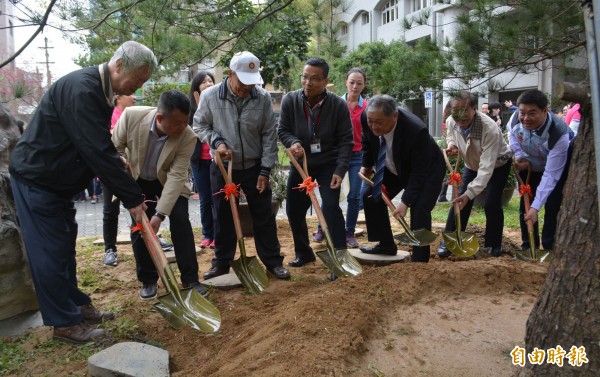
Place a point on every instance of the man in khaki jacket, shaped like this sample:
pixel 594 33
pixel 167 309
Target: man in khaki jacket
pixel 487 159
pixel 159 146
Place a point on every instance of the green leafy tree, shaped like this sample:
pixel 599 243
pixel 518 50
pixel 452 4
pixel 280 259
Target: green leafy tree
pixel 325 24
pixel 396 68
pixel 514 36
pixel 280 43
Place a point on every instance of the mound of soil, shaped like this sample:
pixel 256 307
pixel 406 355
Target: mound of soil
pixel 444 318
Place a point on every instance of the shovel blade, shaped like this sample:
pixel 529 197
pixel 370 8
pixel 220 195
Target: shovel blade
pixel 462 245
pixel 421 237
pixel 340 262
pixel 251 274
pixel 539 255
pixel 189 308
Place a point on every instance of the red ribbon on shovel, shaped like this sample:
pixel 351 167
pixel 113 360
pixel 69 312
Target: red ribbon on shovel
pixel 307 185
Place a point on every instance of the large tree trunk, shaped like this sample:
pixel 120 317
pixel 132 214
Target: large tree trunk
pixel 567 312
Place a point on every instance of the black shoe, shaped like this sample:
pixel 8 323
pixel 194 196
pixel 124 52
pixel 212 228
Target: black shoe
pixel 299 262
pixel 148 291
pixel 496 251
pixel 280 272
pixel 215 271
pixel 380 249
pixel 201 288
pixel 442 199
pixel 443 251
pixel 332 277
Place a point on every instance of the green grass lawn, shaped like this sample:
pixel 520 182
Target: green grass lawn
pixel 511 214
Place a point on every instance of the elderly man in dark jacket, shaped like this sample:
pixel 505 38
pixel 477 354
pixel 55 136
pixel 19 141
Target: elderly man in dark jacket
pixel 66 144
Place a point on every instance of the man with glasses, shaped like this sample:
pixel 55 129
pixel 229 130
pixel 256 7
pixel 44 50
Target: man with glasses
pixel 316 125
pixel 235 118
pixel 540 139
pixel 487 160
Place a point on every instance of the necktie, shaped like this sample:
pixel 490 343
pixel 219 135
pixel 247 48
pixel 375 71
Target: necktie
pixel 378 178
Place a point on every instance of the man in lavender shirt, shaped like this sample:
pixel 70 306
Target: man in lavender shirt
pixel 541 139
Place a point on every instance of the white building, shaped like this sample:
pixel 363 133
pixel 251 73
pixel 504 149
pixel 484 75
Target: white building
pixel 383 20
pixel 7 30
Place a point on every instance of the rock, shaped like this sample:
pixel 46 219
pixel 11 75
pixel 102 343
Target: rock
pixel 130 359
pixel 224 282
pixel 16 287
pixel 379 260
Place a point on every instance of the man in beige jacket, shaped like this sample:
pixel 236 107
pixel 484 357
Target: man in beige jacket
pixel 487 160
pixel 159 146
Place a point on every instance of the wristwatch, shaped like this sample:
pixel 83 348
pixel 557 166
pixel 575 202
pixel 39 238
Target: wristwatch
pixel 160 215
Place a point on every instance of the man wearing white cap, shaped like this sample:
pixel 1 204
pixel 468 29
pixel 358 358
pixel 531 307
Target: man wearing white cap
pixel 235 118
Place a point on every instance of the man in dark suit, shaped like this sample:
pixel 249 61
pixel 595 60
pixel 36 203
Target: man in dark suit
pixel 413 163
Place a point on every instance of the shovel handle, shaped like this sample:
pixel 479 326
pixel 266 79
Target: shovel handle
pixel 234 210
pixel 313 198
pixel 153 246
pixel 391 206
pixel 454 191
pixel 526 198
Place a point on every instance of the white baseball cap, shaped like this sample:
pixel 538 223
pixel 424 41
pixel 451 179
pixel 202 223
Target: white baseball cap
pixel 246 66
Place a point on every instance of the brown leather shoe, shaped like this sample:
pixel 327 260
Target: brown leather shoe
pixel 94 316
pixel 79 334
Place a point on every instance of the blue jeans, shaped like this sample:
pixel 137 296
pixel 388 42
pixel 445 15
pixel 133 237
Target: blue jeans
pixel 201 173
pixel 354 197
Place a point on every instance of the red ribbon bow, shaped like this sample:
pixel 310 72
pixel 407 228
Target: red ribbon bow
pixel 525 189
pixel 136 228
pixel 230 189
pixel 307 185
pixel 455 178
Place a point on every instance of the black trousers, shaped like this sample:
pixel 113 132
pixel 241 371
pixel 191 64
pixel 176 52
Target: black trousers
pixel 181 234
pixel 49 232
pixel 263 219
pixel 110 218
pixel 298 203
pixel 378 218
pixel 494 213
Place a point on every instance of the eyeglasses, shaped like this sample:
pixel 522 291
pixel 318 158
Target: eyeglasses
pixel 311 79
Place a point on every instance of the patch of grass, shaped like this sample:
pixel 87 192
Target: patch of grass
pixel 89 280
pixel 77 353
pixel 86 247
pixel 12 356
pixel 122 328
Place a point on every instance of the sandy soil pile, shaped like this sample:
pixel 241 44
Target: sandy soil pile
pixel 444 318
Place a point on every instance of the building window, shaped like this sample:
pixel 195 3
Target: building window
pixel 419 4
pixel 390 12
pixel 343 29
pixel 365 18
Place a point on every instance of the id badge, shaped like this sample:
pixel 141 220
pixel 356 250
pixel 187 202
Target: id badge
pixel 315 146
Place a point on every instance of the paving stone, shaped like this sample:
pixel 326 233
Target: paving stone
pixel 122 239
pixel 130 359
pixel 224 282
pixel 19 323
pixel 380 260
pixel 171 254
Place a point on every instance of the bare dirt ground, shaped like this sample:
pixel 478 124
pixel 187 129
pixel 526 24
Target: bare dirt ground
pixel 444 318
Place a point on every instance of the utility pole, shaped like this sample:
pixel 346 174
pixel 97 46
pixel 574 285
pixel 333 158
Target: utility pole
pixel 47 63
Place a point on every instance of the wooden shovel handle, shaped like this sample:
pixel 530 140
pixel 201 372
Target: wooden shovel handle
pixel 234 209
pixel 313 198
pixel 526 198
pixel 454 184
pixel 153 246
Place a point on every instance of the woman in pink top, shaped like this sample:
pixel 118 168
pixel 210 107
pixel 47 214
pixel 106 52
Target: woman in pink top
pixel 200 161
pixel 356 80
